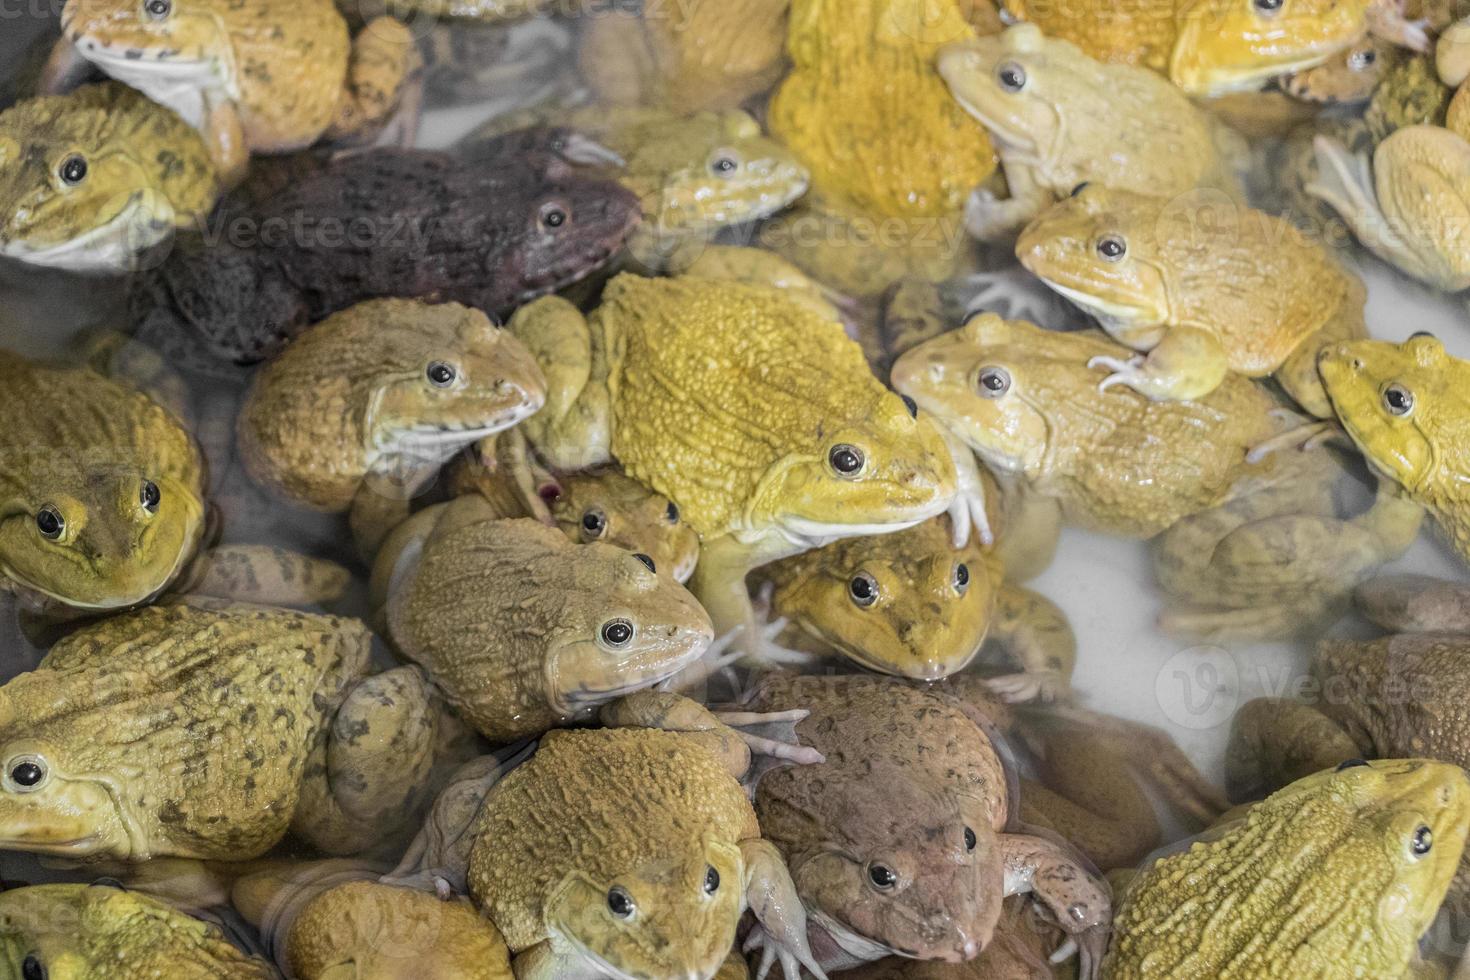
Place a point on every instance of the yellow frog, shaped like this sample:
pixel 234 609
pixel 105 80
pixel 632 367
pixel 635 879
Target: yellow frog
pixel 1204 285
pixel 1206 47
pixel 1059 119
pixel 750 410
pixel 93 180
pixel 1404 407
pixel 262 76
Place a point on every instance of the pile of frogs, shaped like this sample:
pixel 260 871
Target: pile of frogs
pixel 681 443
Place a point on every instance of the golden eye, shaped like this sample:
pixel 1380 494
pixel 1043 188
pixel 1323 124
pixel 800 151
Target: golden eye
pixel 1398 400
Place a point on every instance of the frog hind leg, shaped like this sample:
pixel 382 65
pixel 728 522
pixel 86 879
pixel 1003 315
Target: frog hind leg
pixel 383 66
pixel 1036 637
pixel 267 575
pixel 1414 604
pixel 781 930
pixel 1298 373
pixel 64 69
pixel 1276 741
pixel 1345 183
pixel 224 137
pixel 1186 364
pixel 1074 897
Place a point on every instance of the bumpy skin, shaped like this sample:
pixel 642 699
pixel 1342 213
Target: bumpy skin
pixel 1207 47
pixel 662 369
pixel 1421 448
pixel 1074 120
pixel 87 447
pixel 82 931
pixel 1321 879
pixel 1410 94
pixel 359 403
pixel 510 618
pixel 267 76
pixel 391 223
pixel 942 778
pixel 1204 285
pixel 703 54
pixel 865 110
pixel 1115 460
pixel 147 173
pixel 1410 208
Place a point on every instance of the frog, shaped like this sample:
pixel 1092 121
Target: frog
pixel 1018 950
pixel 207 730
pixel 586 624
pixel 1348 78
pixel 324 917
pixel 1284 168
pixel 87 930
pixel 821 450
pixel 1411 93
pixel 515 62
pixel 1205 48
pixel 1280 559
pixel 410 383
pixel 1398 404
pixel 363 226
pixel 652 857
pixel 259 77
pixel 97 179
pixel 1059 119
pixel 1183 280
pixel 1335 875
pixel 1402 204
pixel 1024 400
pixel 690 57
pixel 920 869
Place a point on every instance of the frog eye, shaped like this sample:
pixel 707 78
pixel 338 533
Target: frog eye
pixel 994 382
pixel 846 460
pixel 26 774
pixel 671 513
pixel 620 903
pixel 883 878
pixel 647 561
pixel 31 968
pixel 911 405
pixel 149 496
pixel 1362 60
pixel 724 164
pixel 1423 840
pixel 594 522
pixel 616 633
pixel 711 880
pixel 554 215
pixel 1398 400
pixel 961 578
pixel 1112 247
pixel 440 374
pixel 969 839
pixel 73 169
pixel 1268 8
pixel 1079 188
pixel 158 9
pixel 50 522
pixel 863 588
pixel 1011 76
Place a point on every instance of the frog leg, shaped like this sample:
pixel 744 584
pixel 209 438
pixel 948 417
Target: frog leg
pixel 1033 528
pixel 1186 364
pixel 573 429
pixel 373 765
pixel 724 653
pixel 1075 898
pixel 383 62
pixel 64 70
pixel 1345 182
pixel 967 513
pixel 1414 604
pixel 994 220
pixel 1036 636
pixel 224 137
pixel 1276 741
pixel 266 575
pixel 719 584
pixel 1387 21
pixel 770 894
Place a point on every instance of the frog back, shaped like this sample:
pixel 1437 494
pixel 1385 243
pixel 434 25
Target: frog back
pixel 288 63
pixel 1130 32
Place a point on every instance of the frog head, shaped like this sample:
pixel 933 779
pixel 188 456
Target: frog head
pixel 1402 404
pixel 178 42
pixel 1096 249
pixel 1238 45
pixel 672 916
pixel 906 603
pixel 604 505
pixel 80 185
pixel 1015 83
pixel 568 228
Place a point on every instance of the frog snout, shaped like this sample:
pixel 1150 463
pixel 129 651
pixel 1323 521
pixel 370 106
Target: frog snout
pixel 1339 352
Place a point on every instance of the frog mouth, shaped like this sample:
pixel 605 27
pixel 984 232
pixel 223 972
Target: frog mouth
pixel 602 966
pixel 108 248
pixel 1104 310
pixel 850 942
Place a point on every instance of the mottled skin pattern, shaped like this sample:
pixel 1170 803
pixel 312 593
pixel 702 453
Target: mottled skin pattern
pixel 368 403
pixel 77 931
pixel 1409 206
pixel 146 174
pixel 511 619
pixel 733 400
pixel 1410 94
pixel 1322 879
pixel 911 783
pixel 1206 47
pixel 391 223
pixel 262 76
pixel 1347 78
pixel 1115 460
pixel 86 447
pixel 697 55
pixel 1059 119
pixel 1420 443
pixel 1202 284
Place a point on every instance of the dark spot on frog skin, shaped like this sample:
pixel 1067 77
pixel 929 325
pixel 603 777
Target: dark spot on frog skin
pixel 171 814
